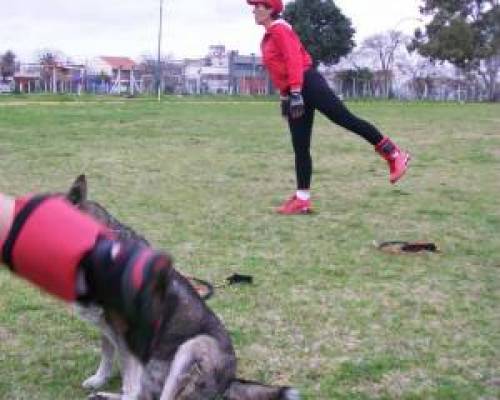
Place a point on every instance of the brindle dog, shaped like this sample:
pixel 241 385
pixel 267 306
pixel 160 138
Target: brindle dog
pixel 110 340
pixel 192 356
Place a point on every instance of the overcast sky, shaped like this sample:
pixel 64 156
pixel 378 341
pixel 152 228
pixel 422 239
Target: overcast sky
pixel 85 28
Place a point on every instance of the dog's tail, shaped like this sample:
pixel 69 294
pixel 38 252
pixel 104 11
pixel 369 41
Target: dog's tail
pixel 247 390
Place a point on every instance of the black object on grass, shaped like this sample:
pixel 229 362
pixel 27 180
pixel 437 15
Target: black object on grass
pixel 399 247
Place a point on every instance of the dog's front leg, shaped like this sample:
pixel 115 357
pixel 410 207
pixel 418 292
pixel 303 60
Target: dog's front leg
pixel 108 345
pixel 131 374
pixel 131 379
pixel 103 373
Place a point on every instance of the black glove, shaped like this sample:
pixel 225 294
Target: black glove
pixel 297 108
pixel 285 106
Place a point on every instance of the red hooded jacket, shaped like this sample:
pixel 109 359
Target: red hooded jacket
pixel 285 57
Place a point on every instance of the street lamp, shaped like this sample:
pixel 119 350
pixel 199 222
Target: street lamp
pixel 158 66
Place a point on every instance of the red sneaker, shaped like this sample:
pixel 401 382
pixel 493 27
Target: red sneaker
pixel 294 206
pixel 397 159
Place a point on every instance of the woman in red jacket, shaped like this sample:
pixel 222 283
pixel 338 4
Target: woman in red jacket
pixel 303 90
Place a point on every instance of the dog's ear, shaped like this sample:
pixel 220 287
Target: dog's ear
pixel 159 293
pixel 78 190
pixel 160 284
pixel 161 280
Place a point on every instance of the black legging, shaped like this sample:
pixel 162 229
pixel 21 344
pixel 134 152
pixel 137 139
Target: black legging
pixel 318 96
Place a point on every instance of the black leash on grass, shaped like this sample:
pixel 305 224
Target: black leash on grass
pixel 397 246
pixel 206 290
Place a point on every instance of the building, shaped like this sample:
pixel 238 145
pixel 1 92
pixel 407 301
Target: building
pixel 28 78
pixel 223 72
pixel 248 75
pixel 192 76
pixel 112 75
pixel 55 78
pixel 208 75
pixel 7 85
pixel 219 72
pixel 171 73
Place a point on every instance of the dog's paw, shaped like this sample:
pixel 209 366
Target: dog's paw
pixel 105 396
pixel 96 381
pixel 291 394
pixel 96 396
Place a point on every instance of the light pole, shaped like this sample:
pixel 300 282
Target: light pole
pixel 158 66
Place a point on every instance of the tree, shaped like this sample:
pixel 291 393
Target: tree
pixel 325 32
pixel 7 64
pixel 48 60
pixel 385 47
pixel 355 82
pixel 170 73
pixel 421 76
pixel 465 33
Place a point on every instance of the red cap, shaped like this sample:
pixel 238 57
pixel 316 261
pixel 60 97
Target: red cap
pixel 275 5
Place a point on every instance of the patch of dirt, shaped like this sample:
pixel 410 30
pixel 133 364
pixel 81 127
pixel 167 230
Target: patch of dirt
pixel 496 153
pixel 495 382
pixel 6 336
pixel 398 383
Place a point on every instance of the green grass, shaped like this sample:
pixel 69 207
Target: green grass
pixel 328 312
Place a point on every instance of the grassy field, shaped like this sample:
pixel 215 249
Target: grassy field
pixel 328 313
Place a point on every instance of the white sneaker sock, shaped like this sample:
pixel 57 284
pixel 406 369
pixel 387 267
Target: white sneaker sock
pixel 303 194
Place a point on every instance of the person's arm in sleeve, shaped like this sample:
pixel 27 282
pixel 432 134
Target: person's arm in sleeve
pixel 290 47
